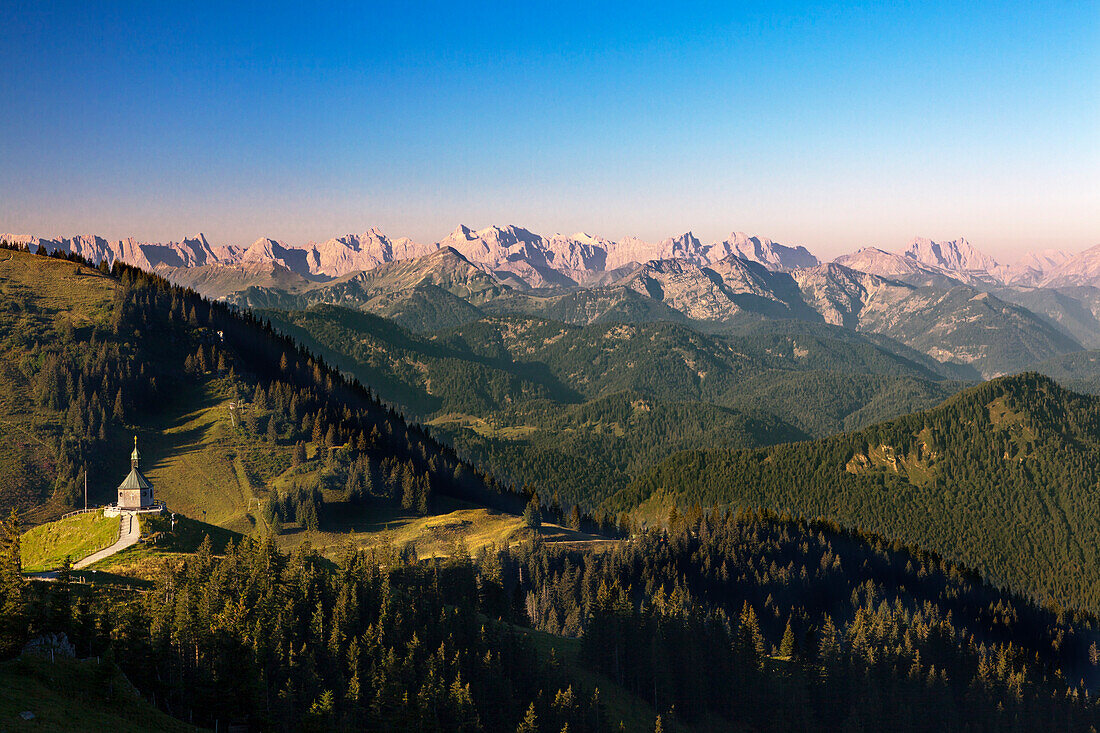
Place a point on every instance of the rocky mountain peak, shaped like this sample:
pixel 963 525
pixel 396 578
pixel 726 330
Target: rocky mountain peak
pixel 771 254
pixel 461 232
pixel 956 254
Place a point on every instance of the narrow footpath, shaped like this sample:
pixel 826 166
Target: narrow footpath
pixel 129 533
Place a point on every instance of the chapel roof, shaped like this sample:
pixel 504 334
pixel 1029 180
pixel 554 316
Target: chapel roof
pixel 135 481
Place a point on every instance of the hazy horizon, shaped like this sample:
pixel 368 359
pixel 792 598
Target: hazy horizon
pixel 824 255
pixel 831 128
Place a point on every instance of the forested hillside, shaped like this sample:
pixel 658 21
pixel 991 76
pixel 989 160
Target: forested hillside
pixel 728 622
pixel 782 625
pixel 1003 477
pixel 1079 371
pixel 66 387
pixel 580 411
pixel 973 327
pixel 241 418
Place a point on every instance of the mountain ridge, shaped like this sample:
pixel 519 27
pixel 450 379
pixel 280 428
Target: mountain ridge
pixel 1001 476
pixel 950 321
pixel 536 260
pixel 525 259
pixel 493 271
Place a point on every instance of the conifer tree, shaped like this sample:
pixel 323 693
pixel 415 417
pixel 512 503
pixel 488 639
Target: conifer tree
pixel 423 494
pixel 12 587
pixel 532 513
pixel 530 722
pixel 119 412
pixel 750 640
pixel 786 646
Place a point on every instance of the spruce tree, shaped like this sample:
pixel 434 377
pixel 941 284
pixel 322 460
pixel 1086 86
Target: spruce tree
pixel 120 407
pixel 530 722
pixel 12 588
pixel 786 646
pixel 532 514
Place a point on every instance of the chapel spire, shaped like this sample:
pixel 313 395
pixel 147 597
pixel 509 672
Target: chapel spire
pixel 135 492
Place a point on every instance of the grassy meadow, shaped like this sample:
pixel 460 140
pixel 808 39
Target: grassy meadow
pixel 46 546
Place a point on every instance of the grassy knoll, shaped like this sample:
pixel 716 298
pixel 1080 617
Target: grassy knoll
pixel 486 428
pixel 158 531
pixel 455 524
pixel 163 546
pixel 47 545
pixel 75 695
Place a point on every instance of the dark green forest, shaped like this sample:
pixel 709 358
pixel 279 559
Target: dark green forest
pixel 747 621
pixel 552 396
pixel 1003 477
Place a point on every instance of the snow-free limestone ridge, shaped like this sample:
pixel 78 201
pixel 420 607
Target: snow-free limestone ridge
pixel 582 278
pixel 513 254
pixel 524 259
pixel 956 254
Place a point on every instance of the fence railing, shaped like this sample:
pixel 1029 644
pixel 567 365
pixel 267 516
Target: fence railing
pixel 158 505
pixel 81 511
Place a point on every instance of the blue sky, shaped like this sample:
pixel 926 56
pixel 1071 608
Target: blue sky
pixel 833 126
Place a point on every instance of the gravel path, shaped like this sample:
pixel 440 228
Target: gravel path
pixel 129 533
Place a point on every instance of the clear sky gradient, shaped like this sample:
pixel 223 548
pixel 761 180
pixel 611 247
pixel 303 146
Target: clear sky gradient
pixel 833 126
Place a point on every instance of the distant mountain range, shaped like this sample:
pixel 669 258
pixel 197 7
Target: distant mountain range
pixel 526 260
pixel 332 258
pixel 945 299
pixel 512 254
